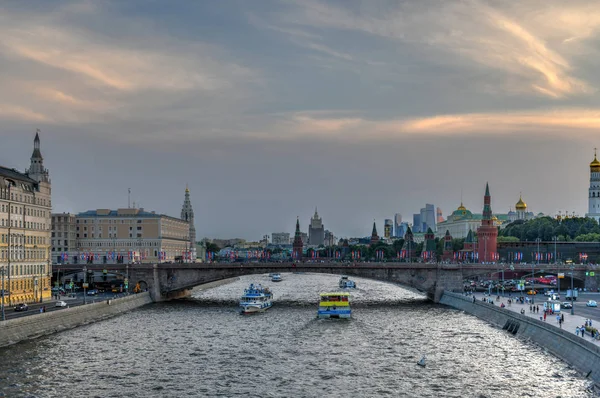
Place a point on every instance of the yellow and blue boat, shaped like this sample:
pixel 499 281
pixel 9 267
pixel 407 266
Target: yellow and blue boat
pixel 334 305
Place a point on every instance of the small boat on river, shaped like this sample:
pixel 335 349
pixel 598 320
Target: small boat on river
pixel 276 278
pixel 334 305
pixel 422 361
pixel 346 283
pixel 256 299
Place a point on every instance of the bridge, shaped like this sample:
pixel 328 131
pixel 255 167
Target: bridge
pixel 166 281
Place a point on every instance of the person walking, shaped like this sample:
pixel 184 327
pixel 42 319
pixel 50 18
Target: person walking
pixel 544 316
pixel 562 317
pixel 577 330
pixel 582 331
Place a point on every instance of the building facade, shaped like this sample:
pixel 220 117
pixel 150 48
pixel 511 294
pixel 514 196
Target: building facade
pixel 25 209
pixel 316 231
pixel 594 190
pixel 388 228
pixel 129 235
pixel 397 225
pixel 280 238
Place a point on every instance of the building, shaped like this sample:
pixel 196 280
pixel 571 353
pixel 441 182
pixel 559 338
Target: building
pixel 460 222
pixel 439 216
pixel 594 190
pixel 64 236
pixel 448 252
pixel 487 233
pixel 388 228
pixel 298 244
pixel 374 236
pixel 417 223
pixel 397 225
pixel 280 238
pixel 409 245
pixel 401 229
pixel 429 242
pixel 316 231
pixel 129 235
pixel 428 217
pixel 520 212
pixel 329 238
pixel 187 214
pixel 25 210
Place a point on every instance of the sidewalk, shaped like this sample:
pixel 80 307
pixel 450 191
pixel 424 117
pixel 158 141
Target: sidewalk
pixel 571 321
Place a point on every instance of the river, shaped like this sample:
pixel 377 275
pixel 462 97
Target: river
pixel 202 347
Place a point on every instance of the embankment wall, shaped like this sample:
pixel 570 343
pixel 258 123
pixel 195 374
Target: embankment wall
pixel 29 327
pixel 579 353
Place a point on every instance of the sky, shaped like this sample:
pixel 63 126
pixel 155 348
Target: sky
pixel 268 109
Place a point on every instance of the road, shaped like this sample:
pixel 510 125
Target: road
pixel 10 313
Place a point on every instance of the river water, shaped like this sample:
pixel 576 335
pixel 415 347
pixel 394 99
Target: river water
pixel 204 348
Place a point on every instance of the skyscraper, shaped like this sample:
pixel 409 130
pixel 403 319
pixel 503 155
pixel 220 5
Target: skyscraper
pixel 388 228
pixel 187 214
pixel 316 230
pixel 397 224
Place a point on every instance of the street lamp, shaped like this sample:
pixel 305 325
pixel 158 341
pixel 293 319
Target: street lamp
pixel 572 295
pixel 533 270
pixel 555 238
pixel 84 284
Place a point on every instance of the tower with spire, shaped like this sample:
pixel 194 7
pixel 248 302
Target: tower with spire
pixel 297 245
pixel 316 230
pixel 36 169
pixel 487 233
pixel 187 214
pixel 374 236
pixel 594 190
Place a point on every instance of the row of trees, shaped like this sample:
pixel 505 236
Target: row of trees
pixel 546 228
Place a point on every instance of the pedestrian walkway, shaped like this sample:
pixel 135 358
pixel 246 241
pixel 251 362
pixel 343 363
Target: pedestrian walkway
pixel 570 324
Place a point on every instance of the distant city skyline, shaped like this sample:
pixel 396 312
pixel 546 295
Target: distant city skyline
pixel 268 109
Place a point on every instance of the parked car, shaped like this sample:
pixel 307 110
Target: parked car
pixel 92 292
pixel 591 303
pixel 60 304
pixel 532 292
pixel 566 304
pixel 21 307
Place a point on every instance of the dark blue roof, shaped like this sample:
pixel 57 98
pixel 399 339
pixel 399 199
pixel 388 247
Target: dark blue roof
pixel 114 213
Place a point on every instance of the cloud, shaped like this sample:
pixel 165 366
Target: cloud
pixel 527 50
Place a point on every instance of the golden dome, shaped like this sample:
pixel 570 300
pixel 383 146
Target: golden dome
pixel 595 165
pixel 494 218
pixel 522 206
pixel 461 207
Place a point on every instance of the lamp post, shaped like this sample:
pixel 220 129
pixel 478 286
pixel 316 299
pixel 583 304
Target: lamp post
pixel 3 288
pixel 84 285
pixel 533 270
pixel 572 295
pixel 555 238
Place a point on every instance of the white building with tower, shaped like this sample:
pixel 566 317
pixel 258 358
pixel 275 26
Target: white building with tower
pixel 594 190
pixel 187 214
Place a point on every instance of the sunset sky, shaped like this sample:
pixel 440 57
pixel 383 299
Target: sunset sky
pixel 267 109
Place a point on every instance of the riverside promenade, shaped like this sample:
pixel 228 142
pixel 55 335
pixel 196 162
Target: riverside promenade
pixel 570 324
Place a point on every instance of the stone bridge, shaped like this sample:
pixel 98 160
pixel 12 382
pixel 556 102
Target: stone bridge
pixel 173 280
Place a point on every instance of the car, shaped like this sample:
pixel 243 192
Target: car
pixel 60 304
pixel 532 292
pixel 92 292
pixel 566 304
pixel 21 307
pixel 591 303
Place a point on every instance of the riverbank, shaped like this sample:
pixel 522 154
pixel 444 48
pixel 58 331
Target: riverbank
pixel 30 327
pixel 581 353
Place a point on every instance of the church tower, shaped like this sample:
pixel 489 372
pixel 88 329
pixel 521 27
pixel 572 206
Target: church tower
pixel 36 169
pixel 487 233
pixel 297 245
pixel 594 190
pixel 187 214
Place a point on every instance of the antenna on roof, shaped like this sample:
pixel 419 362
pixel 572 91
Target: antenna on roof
pixel 129 198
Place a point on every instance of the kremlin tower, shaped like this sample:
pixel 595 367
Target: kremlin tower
pixel 487 233
pixel 298 244
pixel 374 236
pixel 594 190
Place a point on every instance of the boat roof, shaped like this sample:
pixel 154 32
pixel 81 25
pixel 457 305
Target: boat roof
pixel 335 294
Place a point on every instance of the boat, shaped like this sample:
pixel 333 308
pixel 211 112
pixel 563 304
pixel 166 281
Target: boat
pixel 334 305
pixel 422 361
pixel 346 283
pixel 276 278
pixel 256 299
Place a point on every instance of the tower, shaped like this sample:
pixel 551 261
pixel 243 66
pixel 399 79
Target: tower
pixel 594 190
pixel 187 214
pixel 429 245
pixel 521 208
pixel 36 169
pixel 374 236
pixel 448 247
pixel 487 233
pixel 409 243
pixel 316 230
pixel 297 245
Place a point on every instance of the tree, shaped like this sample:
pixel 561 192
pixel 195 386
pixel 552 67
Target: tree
pixel 212 248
